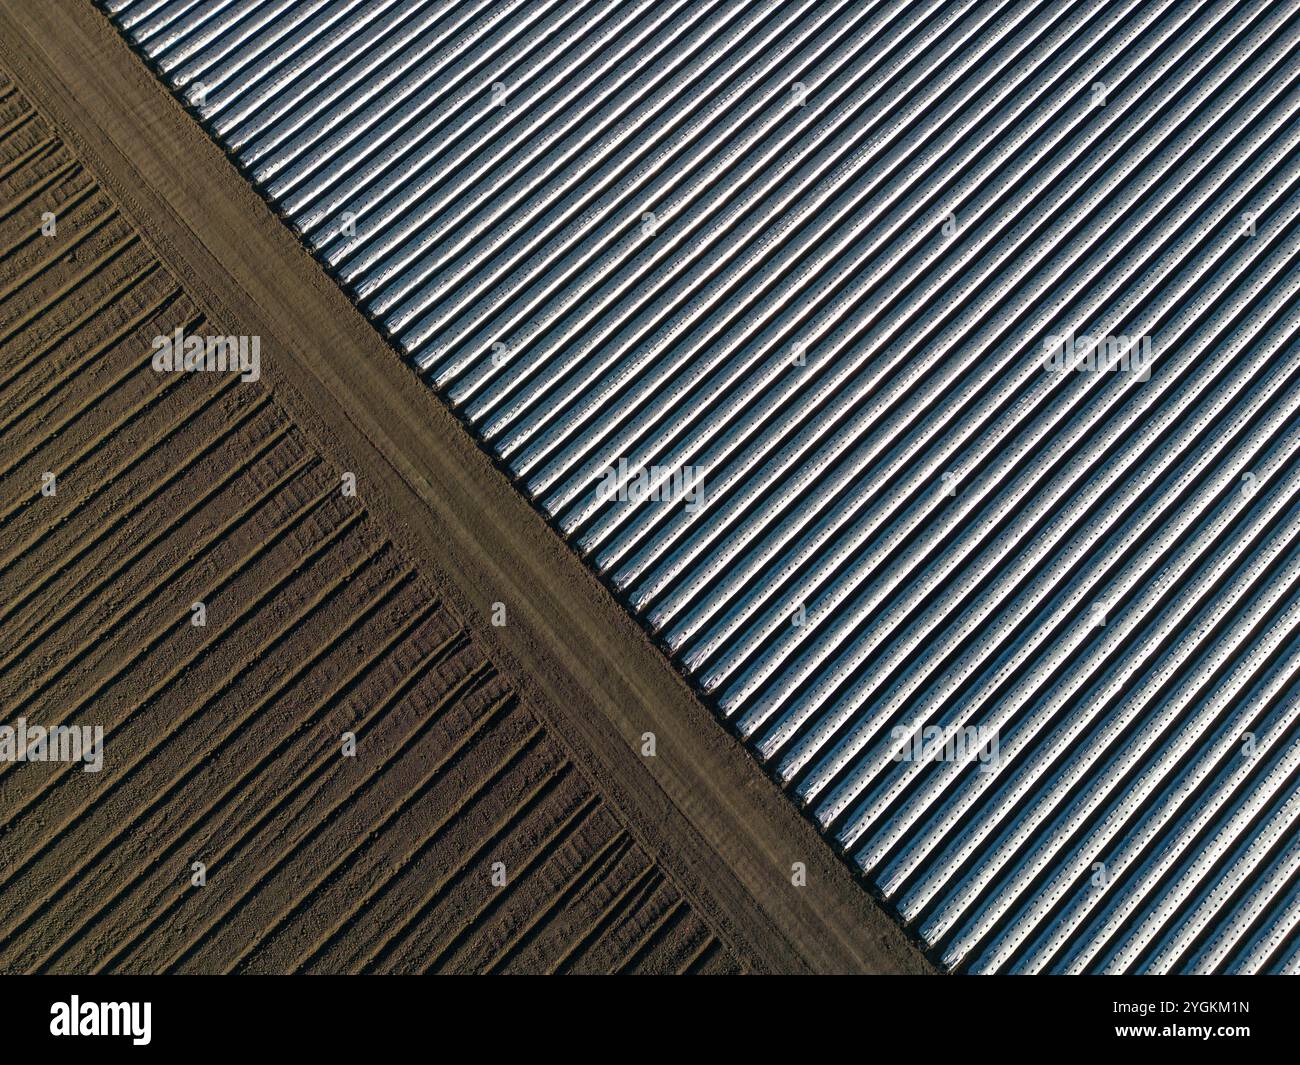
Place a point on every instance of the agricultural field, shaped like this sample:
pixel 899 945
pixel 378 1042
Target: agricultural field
pixel 360 710
pixel 919 376
pixel 222 743
pixel 761 486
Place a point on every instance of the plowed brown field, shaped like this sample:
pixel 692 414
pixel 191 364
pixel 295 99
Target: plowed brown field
pixel 223 741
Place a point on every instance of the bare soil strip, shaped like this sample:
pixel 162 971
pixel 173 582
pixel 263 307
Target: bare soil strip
pixel 722 840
